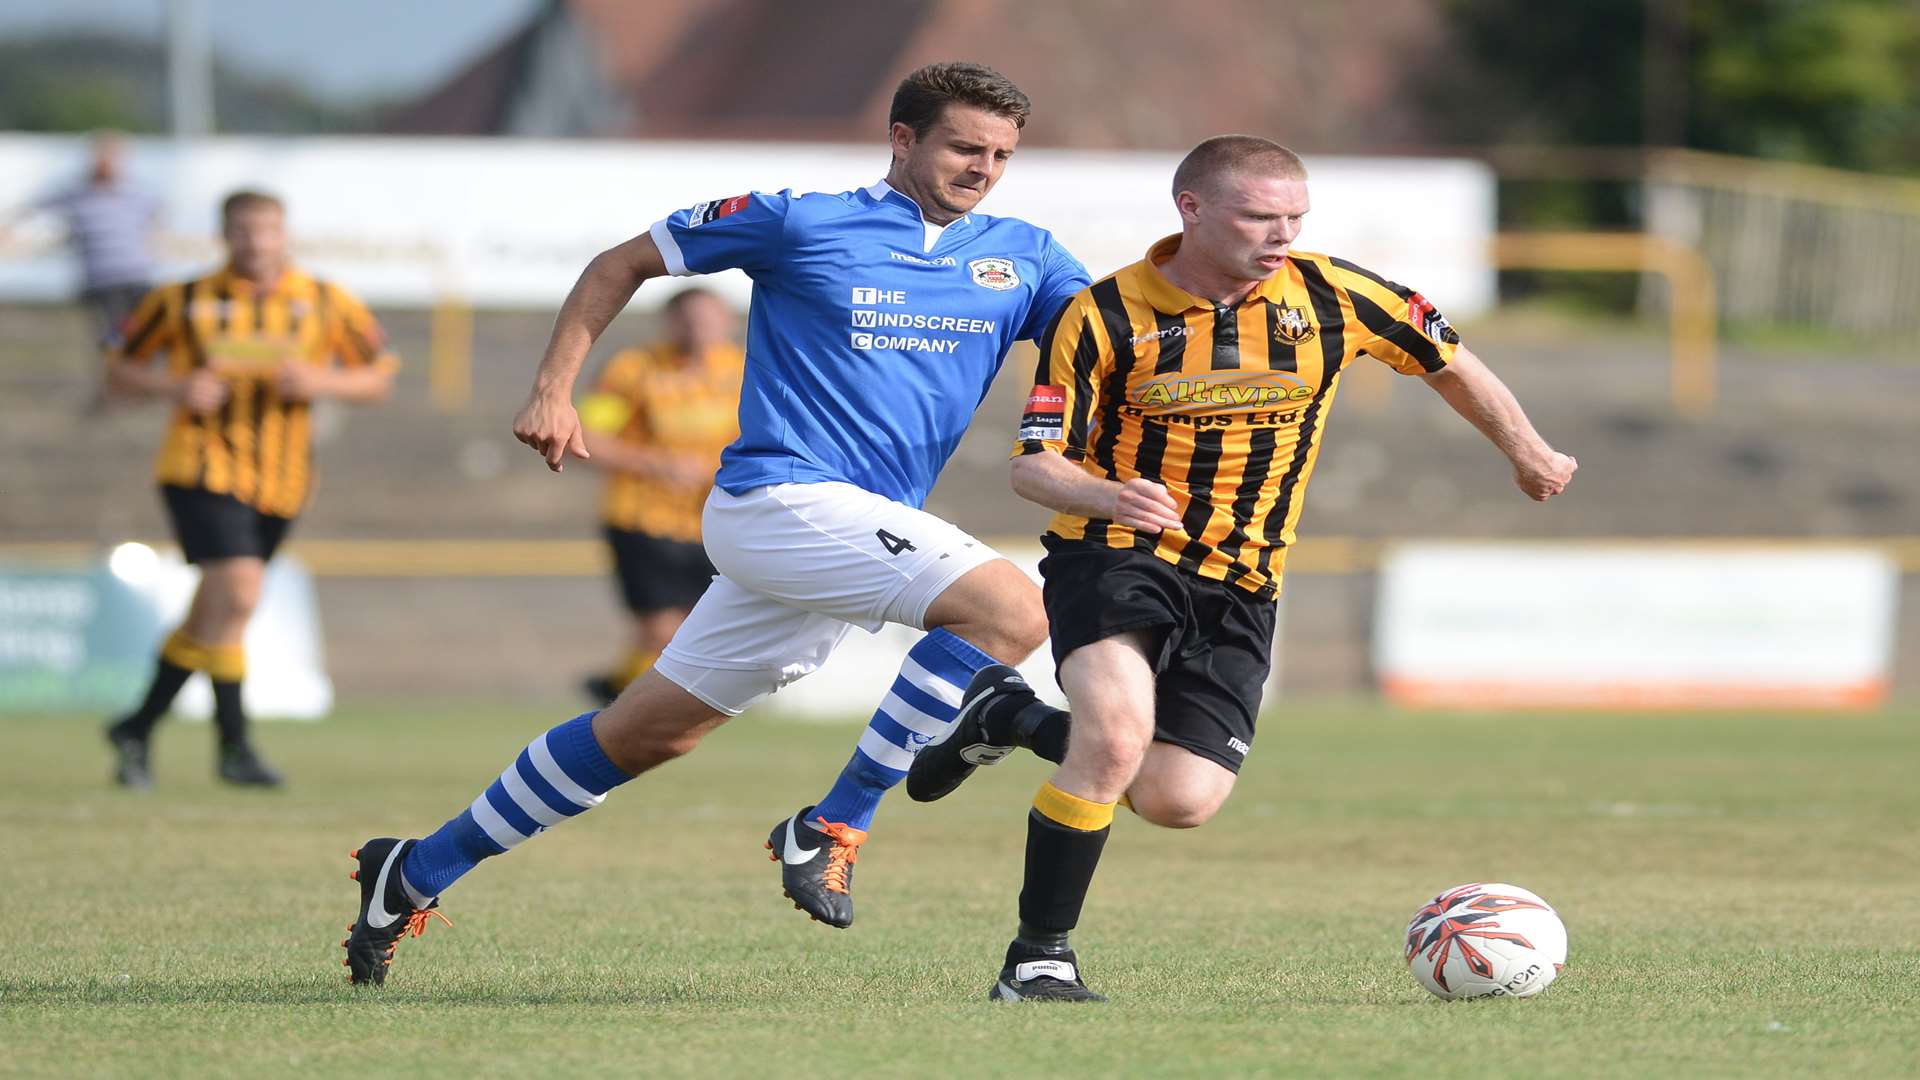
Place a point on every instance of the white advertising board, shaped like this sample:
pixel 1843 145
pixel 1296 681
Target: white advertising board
pixel 1635 626
pixel 510 223
pixel 286 665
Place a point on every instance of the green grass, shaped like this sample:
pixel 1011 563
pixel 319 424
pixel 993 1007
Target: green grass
pixel 1742 892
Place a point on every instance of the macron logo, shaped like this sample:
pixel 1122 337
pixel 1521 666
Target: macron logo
pixel 874 297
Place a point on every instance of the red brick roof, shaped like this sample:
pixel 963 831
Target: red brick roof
pixel 1323 75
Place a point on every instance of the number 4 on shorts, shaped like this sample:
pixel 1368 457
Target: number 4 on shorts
pixel 894 544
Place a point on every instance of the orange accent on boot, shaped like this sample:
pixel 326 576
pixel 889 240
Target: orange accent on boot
pixel 844 853
pixel 417 922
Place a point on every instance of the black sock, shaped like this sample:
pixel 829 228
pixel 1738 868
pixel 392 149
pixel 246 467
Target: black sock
pixel 1043 729
pixel 1060 866
pixel 1032 941
pixel 168 678
pixel 1022 719
pixel 228 715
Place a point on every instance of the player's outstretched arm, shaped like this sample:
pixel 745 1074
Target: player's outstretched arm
pixel 548 422
pixel 1058 484
pixel 1477 394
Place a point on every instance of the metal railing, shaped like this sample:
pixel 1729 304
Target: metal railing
pixel 1693 378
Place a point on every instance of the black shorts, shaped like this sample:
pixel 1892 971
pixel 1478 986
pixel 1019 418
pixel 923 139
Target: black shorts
pixel 1211 643
pixel 213 526
pixel 656 574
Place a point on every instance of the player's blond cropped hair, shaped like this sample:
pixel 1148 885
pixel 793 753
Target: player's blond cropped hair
pixel 1214 161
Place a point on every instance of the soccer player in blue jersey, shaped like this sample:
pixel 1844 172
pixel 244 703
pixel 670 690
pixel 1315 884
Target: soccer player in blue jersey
pixel 879 319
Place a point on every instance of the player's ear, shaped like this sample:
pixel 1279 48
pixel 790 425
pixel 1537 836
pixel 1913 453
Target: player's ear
pixel 901 137
pixel 1189 206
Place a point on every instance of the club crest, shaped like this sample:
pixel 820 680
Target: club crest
pixel 994 273
pixel 1292 326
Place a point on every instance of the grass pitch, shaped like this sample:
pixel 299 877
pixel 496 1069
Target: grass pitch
pixel 1742 893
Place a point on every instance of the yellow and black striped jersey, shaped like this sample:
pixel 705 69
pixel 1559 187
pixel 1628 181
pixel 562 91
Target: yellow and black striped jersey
pixel 660 399
pixel 258 446
pixel 1225 406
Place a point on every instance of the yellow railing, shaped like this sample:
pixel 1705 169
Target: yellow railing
pixel 1692 380
pixel 1787 180
pixel 450 355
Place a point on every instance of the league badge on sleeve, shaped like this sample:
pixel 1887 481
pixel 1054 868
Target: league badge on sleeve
pixel 1422 313
pixel 994 273
pixel 1045 419
pixel 715 210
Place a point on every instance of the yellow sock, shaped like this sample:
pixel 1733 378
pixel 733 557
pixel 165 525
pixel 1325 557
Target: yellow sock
pixel 227 663
pixel 1127 801
pixel 1072 811
pixel 638 661
pixel 182 651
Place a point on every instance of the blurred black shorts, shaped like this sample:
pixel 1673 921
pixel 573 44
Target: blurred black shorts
pixel 213 526
pixel 656 574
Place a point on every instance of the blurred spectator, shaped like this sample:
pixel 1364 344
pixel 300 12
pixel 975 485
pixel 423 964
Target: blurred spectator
pixel 110 225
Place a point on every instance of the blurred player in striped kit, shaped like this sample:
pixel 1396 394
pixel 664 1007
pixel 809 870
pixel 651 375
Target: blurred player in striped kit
pixel 242 354
pixel 656 422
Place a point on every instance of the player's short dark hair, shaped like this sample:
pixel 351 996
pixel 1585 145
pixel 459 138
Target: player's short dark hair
pixel 248 199
pixel 925 94
pixel 688 295
pixel 1225 155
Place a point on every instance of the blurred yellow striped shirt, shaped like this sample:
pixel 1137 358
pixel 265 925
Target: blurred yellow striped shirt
pixel 657 398
pixel 257 447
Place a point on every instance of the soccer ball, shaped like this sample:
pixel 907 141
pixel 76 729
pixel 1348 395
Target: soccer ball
pixel 1486 940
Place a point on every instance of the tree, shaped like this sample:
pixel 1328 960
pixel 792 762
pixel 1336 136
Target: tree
pixel 1835 82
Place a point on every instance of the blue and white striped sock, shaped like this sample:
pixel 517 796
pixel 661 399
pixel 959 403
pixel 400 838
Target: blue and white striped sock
pixel 922 703
pixel 559 775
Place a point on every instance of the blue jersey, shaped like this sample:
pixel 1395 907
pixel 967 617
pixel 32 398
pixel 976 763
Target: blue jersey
pixel 872 337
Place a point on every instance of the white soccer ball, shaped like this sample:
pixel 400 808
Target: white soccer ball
pixel 1486 940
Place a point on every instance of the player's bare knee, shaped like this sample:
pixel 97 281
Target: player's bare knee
pixel 242 602
pixel 1111 762
pixel 1177 806
pixel 1171 812
pixel 1024 625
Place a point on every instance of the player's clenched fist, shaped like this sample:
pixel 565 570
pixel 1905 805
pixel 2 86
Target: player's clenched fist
pixel 1145 505
pixel 549 425
pixel 1549 476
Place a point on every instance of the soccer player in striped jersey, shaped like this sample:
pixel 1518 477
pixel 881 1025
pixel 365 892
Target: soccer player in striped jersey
pixel 656 422
pixel 878 321
pixel 1174 423
pixel 247 351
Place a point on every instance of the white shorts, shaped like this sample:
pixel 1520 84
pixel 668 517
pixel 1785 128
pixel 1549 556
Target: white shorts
pixel 800 565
